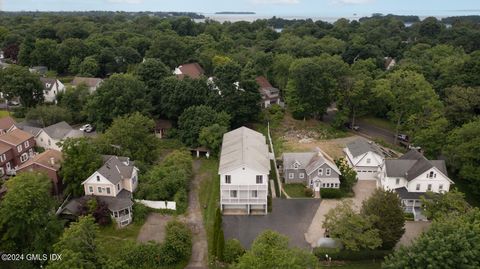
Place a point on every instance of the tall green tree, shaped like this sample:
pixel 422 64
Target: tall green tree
pixel 211 137
pixel 132 136
pixel 348 176
pixel 18 81
pixel 462 153
pixel 438 205
pixel 355 231
pixel 88 67
pixel 462 104
pixel 74 100
pixel 270 250
pixel 45 53
pixel 119 95
pixel 27 215
pixel 152 71
pixel 48 115
pixel 80 159
pixel 451 242
pixel 388 216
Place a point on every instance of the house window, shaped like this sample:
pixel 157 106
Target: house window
pixel 108 190
pixel 23 157
pixel 254 194
pixel 440 187
pixel 295 165
pixel 26 144
pixel 98 178
pixel 19 148
pixel 3 158
pixel 431 174
pixel 369 160
pixel 41 139
pixel 397 181
pixel 1 171
pixel 99 189
pixel 49 142
pixel 233 194
pixel 134 180
pixel 328 171
pixel 418 187
pixel 290 175
pixel 320 171
pixel 328 185
pixel 90 189
pixel 118 186
pixel 228 179
pixel 301 175
pixel 429 187
pixel 259 179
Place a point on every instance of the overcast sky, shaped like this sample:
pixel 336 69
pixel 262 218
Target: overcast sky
pixel 270 7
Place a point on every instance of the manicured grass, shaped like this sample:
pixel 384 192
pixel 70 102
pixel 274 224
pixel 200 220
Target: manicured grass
pixel 295 190
pixel 209 195
pixel 4 113
pixel 273 176
pixel 354 265
pixel 378 122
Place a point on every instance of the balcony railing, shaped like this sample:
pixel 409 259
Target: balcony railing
pixel 244 200
pixel 259 187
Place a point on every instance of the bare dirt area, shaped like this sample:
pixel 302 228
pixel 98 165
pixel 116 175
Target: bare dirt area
pixel 333 147
pixel 154 228
pixel 363 189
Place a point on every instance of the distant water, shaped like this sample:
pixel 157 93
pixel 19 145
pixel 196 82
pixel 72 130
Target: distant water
pixel 332 18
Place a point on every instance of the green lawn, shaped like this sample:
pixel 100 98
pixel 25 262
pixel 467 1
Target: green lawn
pixel 295 190
pixel 4 113
pixel 111 240
pixel 209 195
pixel 354 265
pixel 381 123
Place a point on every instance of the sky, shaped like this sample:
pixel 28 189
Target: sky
pixel 263 7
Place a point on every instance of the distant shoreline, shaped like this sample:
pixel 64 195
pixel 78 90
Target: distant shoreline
pixel 235 13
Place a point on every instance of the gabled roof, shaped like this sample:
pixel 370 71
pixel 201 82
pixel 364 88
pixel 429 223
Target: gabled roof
pixel 90 82
pixel 361 146
pixel 404 194
pixel 244 147
pixel 116 168
pixel 61 130
pixel 191 70
pixel 318 161
pixel 48 83
pixel 303 158
pixel 4 148
pixel 6 122
pixel 263 82
pixel 45 159
pixel 411 165
pixel 15 137
pixel 31 126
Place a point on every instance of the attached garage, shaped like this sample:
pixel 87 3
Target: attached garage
pixel 366 173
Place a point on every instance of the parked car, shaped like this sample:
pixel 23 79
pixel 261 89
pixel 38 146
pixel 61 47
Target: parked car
pixel 350 126
pixel 403 137
pixel 13 103
pixel 412 146
pixel 88 128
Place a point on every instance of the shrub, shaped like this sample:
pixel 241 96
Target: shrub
pixel 178 243
pixel 181 201
pixel 331 193
pixel 409 216
pixel 348 255
pixel 141 255
pixel 308 192
pixel 140 212
pixel 233 251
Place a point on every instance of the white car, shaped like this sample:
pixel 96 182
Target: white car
pixel 85 127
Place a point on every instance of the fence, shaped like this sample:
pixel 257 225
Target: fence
pixel 158 204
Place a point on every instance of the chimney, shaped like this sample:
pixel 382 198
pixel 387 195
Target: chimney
pixel 52 161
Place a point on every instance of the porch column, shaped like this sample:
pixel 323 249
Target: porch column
pixel 198 154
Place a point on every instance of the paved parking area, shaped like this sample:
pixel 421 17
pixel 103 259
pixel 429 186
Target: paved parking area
pixel 413 229
pixel 290 217
pixel 363 189
pixel 154 228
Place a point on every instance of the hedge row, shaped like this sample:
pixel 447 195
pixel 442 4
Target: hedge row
pixel 348 255
pixel 331 193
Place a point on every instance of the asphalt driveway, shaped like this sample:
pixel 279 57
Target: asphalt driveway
pixel 290 217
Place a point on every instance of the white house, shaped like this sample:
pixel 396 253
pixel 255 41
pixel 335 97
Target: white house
pixel 50 136
pixel 91 83
pixel 51 88
pixel 114 184
pixel 365 157
pixel 411 176
pixel 244 168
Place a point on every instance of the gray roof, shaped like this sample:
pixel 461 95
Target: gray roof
pixel 116 168
pixel 244 147
pixel 48 83
pixel 361 146
pixel 121 201
pixel 411 165
pixel 62 130
pixel 27 128
pixel 309 161
pixel 404 194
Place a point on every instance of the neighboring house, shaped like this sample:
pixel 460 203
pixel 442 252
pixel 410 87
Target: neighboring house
pixel 49 137
pixel 48 162
pixel 91 83
pixel 313 169
pixel 162 127
pixel 244 169
pixel 270 95
pixel 6 160
pixel 28 126
pixel 365 157
pixel 21 144
pixel 113 184
pixel 411 176
pixel 389 63
pixel 6 123
pixel 191 70
pixel 41 70
pixel 51 88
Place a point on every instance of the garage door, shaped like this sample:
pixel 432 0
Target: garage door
pixel 366 174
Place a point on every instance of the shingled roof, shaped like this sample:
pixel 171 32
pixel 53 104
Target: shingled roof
pixel 62 130
pixel 411 165
pixel 191 70
pixel 361 146
pixel 116 168
pixel 6 122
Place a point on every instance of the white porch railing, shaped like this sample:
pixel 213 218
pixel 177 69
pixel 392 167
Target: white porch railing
pixel 259 201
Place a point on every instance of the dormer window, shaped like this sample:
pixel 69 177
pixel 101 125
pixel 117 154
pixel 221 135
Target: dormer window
pixel 295 165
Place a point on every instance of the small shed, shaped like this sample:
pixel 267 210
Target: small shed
pixel 161 127
pixel 200 152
